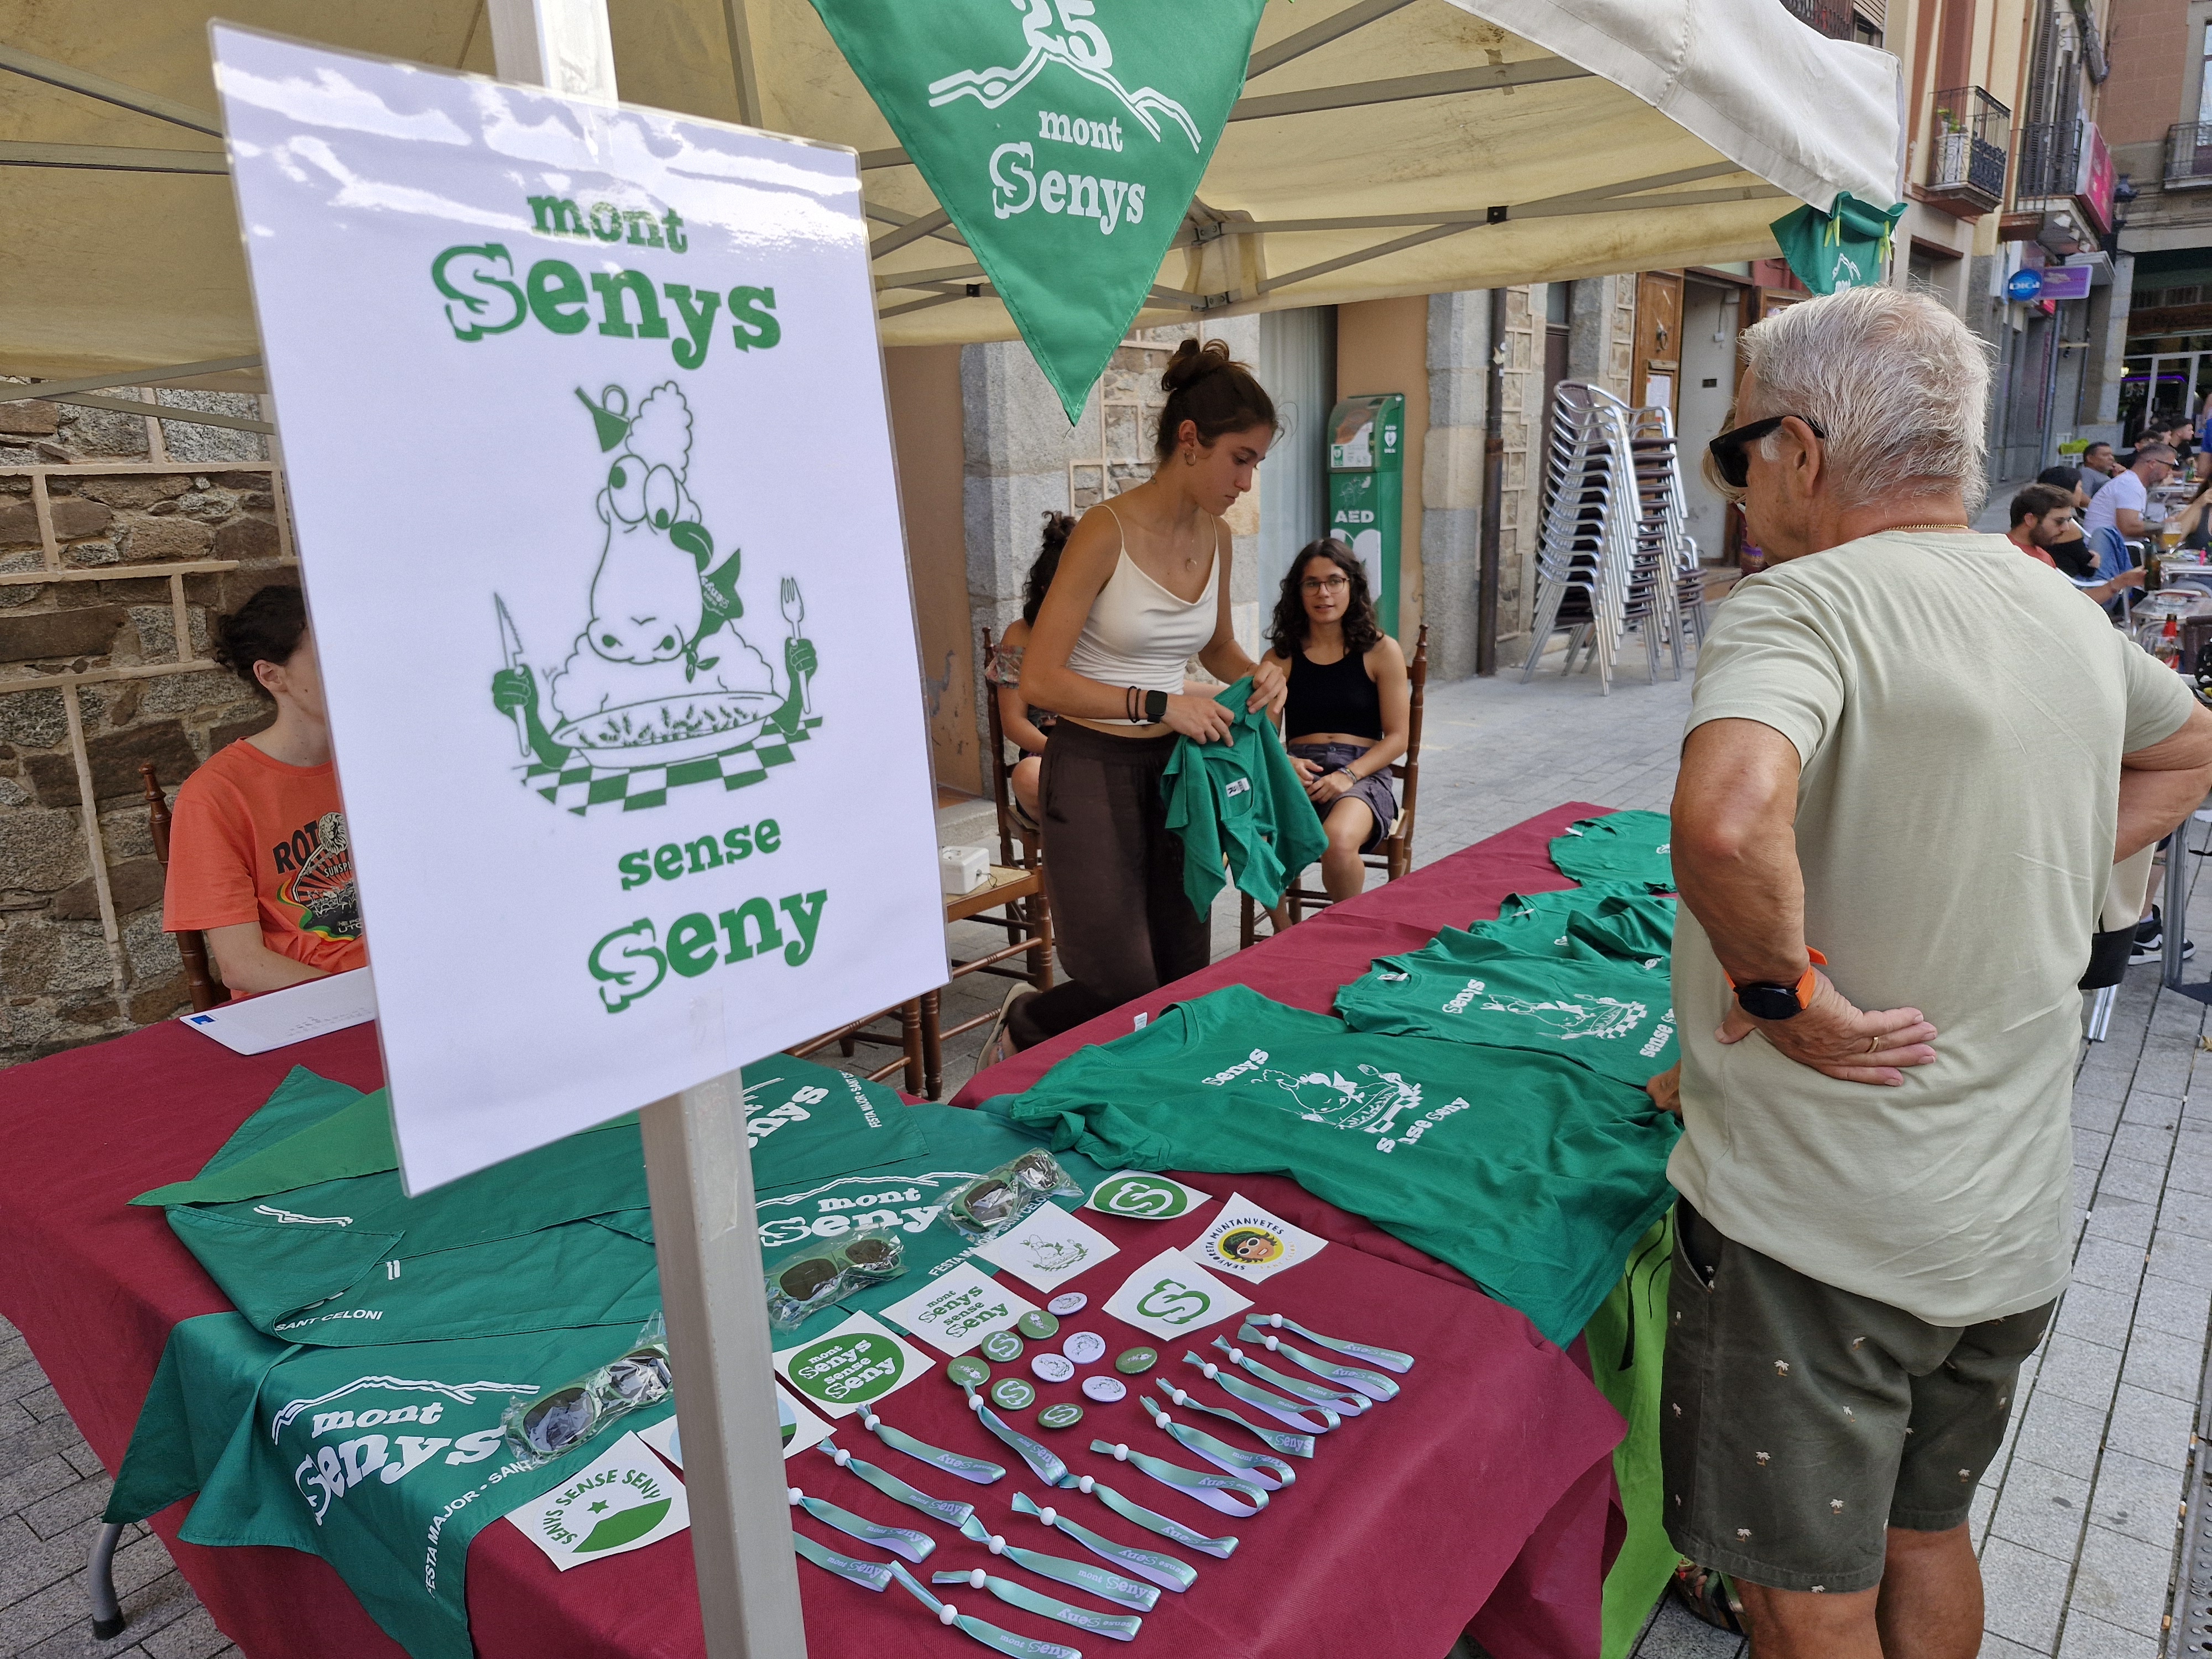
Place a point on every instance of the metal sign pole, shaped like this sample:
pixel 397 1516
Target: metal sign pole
pixel 698 1167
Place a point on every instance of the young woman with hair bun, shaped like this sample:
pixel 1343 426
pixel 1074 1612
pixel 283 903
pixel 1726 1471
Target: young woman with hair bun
pixel 1142 586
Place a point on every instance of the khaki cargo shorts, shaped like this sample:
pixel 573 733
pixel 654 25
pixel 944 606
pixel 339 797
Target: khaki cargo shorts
pixel 1798 1421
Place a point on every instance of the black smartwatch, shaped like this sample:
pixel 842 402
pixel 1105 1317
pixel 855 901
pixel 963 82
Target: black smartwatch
pixel 1772 999
pixel 1156 707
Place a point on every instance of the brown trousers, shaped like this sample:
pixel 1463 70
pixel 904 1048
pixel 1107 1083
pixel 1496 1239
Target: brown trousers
pixel 1113 872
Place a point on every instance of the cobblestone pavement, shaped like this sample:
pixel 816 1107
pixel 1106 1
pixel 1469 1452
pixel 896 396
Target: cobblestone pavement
pixel 2076 1522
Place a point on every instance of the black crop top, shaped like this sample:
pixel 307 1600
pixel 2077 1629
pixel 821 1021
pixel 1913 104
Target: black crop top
pixel 1335 696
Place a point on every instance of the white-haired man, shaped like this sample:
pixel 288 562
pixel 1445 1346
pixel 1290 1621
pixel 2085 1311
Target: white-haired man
pixel 1912 759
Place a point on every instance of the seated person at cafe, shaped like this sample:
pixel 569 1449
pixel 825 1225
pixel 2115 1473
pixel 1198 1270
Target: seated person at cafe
pixel 2116 516
pixel 258 857
pixel 2043 528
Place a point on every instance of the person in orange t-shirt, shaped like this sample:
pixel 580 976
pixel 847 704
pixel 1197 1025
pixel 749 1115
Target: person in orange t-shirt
pixel 258 857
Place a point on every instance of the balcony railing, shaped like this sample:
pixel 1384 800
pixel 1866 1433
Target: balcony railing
pixel 1831 17
pixel 2189 154
pixel 1967 140
pixel 2050 159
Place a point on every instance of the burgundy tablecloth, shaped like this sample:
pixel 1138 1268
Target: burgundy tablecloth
pixel 1483 1493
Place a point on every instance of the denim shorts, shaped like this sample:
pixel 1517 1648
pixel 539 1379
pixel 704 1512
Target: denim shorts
pixel 1374 791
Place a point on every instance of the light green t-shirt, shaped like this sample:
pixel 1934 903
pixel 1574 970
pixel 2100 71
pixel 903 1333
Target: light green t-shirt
pixel 1961 713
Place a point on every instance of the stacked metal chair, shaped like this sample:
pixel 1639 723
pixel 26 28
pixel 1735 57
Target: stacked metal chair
pixel 1662 515
pixel 1600 568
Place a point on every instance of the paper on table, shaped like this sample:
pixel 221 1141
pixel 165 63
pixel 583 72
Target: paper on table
pixel 959 1309
pixel 294 1014
pixel 624 1502
pixel 1146 1197
pixel 1049 1246
pixel 858 1362
pixel 1172 1295
pixel 1252 1242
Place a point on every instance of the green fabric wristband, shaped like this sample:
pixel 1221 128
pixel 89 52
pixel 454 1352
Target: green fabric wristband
pixel 1216 1492
pixel 1107 1586
pixel 1152 1564
pixel 1373 1384
pixel 900 1540
pixel 937 1508
pixel 953 1463
pixel 1121 1627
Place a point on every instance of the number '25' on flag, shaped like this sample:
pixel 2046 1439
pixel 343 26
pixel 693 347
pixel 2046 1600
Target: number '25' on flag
pixel 1064 138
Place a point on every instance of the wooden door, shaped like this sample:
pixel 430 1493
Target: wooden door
pixel 1658 368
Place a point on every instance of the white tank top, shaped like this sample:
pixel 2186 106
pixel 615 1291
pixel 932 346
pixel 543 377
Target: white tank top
pixel 1139 633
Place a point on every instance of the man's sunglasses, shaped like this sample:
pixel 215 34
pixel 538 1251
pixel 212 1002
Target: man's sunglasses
pixel 1731 450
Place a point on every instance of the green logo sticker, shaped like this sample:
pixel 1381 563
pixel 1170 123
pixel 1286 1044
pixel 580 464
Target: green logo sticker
pixel 1012 1393
pixel 1062 1416
pixel 1002 1345
pixel 847 1370
pixel 1146 1196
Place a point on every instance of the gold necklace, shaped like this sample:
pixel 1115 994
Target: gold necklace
pixel 1900 529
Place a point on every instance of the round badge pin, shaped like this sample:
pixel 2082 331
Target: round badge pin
pixel 1062 1416
pixel 1136 1360
pixel 1002 1346
pixel 1069 1302
pixel 968 1372
pixel 1037 1323
pixel 1084 1347
pixel 1105 1390
pixel 1051 1368
pixel 1012 1393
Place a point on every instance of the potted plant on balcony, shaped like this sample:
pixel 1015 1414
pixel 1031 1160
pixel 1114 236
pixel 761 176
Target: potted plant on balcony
pixel 1954 150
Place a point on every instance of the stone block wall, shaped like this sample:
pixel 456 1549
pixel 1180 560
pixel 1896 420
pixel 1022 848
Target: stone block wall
pixel 211 497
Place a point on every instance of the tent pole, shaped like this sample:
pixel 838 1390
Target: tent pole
pixel 1493 478
pixel 698 1167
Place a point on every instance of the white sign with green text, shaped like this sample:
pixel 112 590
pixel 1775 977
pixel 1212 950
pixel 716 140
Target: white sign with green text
pixel 588 445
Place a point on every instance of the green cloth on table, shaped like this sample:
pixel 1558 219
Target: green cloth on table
pixel 1241 800
pixel 1615 1017
pixel 1627 1340
pixel 386 1462
pixel 382 1452
pixel 1628 846
pixel 311 1253
pixel 1526 1172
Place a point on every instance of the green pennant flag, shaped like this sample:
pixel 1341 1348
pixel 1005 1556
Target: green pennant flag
pixel 1064 138
pixel 1846 249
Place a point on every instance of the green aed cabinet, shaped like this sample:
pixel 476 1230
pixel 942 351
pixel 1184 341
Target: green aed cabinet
pixel 1367 488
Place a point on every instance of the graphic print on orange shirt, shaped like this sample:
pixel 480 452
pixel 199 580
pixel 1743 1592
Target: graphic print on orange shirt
pixel 317 863
pixel 256 840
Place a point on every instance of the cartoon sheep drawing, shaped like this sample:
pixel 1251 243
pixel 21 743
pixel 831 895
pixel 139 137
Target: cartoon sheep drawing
pixel 659 671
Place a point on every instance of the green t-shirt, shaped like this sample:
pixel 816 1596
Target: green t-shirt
pixel 1241 800
pixel 1619 846
pixel 1960 714
pixel 301 1219
pixel 1615 918
pixel 1613 1016
pixel 1520 1169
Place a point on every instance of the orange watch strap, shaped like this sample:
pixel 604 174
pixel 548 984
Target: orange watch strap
pixel 1803 989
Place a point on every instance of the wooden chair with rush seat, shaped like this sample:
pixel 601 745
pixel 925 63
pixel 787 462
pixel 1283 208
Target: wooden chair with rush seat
pixel 1014 889
pixel 1393 853
pixel 206 991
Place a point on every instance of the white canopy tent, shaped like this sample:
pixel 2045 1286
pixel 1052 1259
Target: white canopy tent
pixel 1593 136
pixel 1590 136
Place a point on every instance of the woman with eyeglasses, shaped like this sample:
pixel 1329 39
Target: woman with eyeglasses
pixel 1349 712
